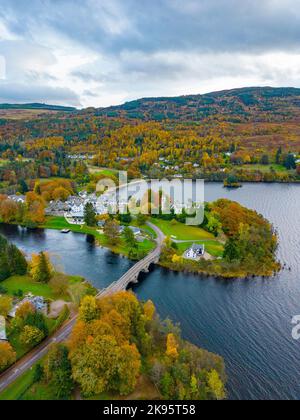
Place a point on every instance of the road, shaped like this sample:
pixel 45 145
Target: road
pixel 19 368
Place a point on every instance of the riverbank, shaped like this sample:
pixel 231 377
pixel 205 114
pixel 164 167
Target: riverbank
pixel 60 223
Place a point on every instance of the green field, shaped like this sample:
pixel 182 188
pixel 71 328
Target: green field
pixel 181 231
pixel 102 171
pixel 28 285
pixel 264 168
pixel 214 248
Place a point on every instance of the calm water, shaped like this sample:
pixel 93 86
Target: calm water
pixel 247 322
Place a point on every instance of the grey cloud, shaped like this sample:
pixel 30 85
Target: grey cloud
pixel 113 26
pixel 142 47
pixel 19 93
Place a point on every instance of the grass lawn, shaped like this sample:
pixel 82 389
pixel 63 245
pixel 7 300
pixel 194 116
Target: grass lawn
pixel 17 389
pixel 214 248
pixel 182 231
pixel 102 171
pixel 264 168
pixel 28 285
pixel 24 389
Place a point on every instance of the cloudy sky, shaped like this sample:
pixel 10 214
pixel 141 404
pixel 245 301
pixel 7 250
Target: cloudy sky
pixel 105 52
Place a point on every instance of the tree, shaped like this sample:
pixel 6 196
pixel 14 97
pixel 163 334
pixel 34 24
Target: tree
pixel 231 251
pixel 17 261
pixel 35 209
pixel 141 219
pixel 5 305
pixel 90 215
pixel 130 240
pixel 31 336
pixel 172 347
pixel 265 160
pixel 59 284
pixel 7 355
pixel 290 161
pixel 88 310
pixel 149 310
pixel 24 310
pixel 102 365
pixel 216 385
pixel 58 372
pixel 112 232
pixel 278 156
pixel 41 269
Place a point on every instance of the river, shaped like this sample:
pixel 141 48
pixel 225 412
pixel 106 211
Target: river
pixel 247 322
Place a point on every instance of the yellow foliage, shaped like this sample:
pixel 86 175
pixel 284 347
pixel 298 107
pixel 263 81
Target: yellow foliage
pixel 172 347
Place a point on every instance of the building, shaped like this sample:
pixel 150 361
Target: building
pixel 195 252
pixel 136 231
pixel 37 301
pixel 2 329
pixel 20 199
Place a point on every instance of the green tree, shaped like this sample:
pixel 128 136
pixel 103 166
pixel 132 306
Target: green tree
pixel 232 251
pixel 141 219
pixel 58 372
pixel 130 240
pixel 290 161
pixel 90 215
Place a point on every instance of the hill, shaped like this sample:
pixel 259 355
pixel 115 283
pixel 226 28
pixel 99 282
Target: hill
pixel 256 104
pixel 36 106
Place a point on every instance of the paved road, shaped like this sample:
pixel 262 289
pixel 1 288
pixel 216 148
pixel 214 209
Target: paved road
pixel 18 369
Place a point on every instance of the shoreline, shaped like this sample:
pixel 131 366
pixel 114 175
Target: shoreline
pixel 195 271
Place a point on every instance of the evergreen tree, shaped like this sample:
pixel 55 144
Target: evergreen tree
pixel 231 252
pixel 43 273
pixel 90 215
pixel 278 155
pixel 23 187
pixel 290 161
pixel 130 240
pixel 17 261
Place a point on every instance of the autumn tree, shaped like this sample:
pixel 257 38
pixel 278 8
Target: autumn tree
pixel 31 336
pixel 172 346
pixel 112 232
pixel 5 305
pixel 216 385
pixel 7 355
pixel 88 310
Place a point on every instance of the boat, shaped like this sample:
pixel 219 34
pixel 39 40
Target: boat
pixel 65 231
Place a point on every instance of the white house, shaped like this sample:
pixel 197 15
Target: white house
pixel 195 252
pixel 2 329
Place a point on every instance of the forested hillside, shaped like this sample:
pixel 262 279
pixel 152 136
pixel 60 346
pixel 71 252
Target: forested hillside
pixel 249 134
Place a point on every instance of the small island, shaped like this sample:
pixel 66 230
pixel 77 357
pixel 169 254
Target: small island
pixel 244 244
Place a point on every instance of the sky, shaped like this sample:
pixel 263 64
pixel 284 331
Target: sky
pixel 106 52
